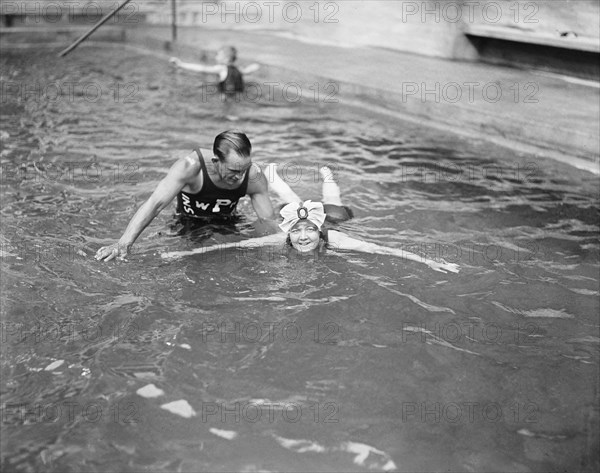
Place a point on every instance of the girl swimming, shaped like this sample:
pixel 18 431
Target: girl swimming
pixel 303 227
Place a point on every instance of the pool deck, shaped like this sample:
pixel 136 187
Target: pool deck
pixel 543 114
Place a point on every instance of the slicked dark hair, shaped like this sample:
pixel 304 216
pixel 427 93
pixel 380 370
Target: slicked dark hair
pixel 231 140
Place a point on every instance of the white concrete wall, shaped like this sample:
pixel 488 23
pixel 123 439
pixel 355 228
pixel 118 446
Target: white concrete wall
pixel 431 28
pixel 382 23
pixel 425 27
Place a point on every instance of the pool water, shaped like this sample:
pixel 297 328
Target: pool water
pixel 260 361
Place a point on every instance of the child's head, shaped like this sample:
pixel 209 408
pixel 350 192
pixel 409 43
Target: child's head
pixel 226 55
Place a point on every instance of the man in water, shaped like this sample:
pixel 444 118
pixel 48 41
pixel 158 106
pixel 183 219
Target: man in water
pixel 230 77
pixel 207 185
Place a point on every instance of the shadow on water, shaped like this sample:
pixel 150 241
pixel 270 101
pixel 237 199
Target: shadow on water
pixel 260 360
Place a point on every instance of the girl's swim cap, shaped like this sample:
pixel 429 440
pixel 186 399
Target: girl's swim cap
pixel 296 211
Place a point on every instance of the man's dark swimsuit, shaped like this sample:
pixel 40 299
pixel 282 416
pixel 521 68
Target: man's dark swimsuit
pixel 234 82
pixel 211 201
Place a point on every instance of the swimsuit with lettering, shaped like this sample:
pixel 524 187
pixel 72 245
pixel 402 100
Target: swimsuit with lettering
pixel 211 201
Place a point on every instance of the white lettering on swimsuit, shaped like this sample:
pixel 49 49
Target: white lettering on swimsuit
pixel 186 204
pixel 223 202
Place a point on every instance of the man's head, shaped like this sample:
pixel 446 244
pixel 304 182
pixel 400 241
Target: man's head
pixel 232 156
pixel 226 55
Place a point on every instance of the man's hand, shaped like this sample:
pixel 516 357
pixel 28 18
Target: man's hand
pixel 109 252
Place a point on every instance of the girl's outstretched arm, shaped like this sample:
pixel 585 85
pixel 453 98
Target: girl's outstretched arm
pixel 277 238
pixel 341 241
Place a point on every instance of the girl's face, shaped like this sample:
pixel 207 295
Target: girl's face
pixel 305 236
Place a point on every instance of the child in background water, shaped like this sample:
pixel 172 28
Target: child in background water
pixel 231 79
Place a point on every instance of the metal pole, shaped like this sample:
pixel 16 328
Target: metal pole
pixel 174 20
pixel 94 28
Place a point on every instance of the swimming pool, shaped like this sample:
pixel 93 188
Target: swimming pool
pixel 351 362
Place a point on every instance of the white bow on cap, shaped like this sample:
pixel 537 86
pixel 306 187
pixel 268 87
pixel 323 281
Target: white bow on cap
pixel 296 211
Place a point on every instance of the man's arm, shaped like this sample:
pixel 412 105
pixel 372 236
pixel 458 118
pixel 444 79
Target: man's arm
pixel 258 190
pixel 178 176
